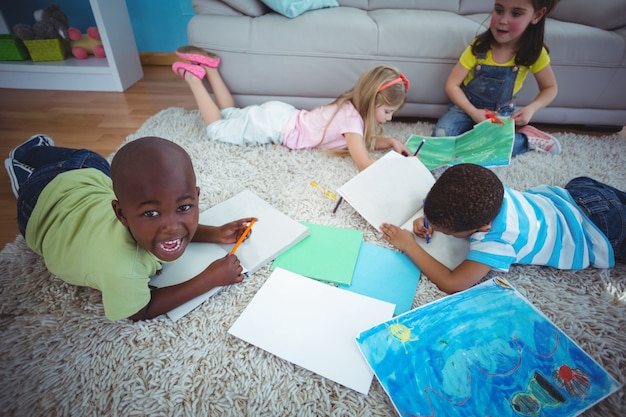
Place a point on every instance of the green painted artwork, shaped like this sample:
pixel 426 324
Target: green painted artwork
pixel 487 144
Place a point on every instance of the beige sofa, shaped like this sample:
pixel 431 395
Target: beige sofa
pixel 310 59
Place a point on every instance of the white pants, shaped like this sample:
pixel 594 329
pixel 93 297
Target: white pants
pixel 257 124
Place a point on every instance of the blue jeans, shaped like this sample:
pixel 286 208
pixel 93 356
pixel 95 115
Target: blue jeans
pixel 606 208
pixel 47 162
pixel 456 122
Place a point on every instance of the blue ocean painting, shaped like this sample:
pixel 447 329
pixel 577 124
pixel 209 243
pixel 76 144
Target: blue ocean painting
pixel 485 351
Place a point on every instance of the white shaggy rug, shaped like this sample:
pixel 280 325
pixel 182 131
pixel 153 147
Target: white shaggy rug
pixel 60 356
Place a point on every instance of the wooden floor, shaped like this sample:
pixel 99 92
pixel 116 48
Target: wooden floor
pixel 93 120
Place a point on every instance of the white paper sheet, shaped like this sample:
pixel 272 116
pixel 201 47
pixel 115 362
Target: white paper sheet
pixel 313 325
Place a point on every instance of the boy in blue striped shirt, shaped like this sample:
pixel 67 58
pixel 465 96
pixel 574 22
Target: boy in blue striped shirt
pixel 574 227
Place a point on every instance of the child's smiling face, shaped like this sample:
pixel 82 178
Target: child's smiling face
pixel 162 216
pixel 510 18
pixel 157 200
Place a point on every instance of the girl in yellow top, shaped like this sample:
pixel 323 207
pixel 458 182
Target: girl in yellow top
pixel 492 70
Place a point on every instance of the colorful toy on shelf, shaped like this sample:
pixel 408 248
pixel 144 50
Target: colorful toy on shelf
pixel 83 45
pixel 46 40
pixel 50 23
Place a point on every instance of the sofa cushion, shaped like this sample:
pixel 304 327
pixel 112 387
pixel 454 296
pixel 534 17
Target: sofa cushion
pixel 213 8
pixel 441 5
pixel 417 34
pixel 359 4
pixel 263 34
pixel 604 14
pixel 248 7
pixel 578 44
pixel 475 6
pixel 290 8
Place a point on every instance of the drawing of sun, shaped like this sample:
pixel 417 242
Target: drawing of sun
pixel 402 333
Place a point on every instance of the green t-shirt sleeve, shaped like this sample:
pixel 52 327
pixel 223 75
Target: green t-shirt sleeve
pixel 124 296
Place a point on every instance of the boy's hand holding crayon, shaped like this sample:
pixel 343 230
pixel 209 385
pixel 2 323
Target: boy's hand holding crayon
pixel 234 231
pixel 422 229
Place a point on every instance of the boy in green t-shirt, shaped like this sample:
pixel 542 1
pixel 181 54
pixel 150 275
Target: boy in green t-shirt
pixel 109 227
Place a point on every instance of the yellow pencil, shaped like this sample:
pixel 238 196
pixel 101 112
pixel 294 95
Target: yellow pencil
pixel 242 237
pixel 328 193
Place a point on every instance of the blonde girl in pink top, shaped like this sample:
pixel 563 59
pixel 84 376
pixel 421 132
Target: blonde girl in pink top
pixel 350 125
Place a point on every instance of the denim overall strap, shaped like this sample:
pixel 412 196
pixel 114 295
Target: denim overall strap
pixel 492 87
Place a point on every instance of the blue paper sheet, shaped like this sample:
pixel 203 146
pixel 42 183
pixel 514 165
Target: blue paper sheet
pixel 385 274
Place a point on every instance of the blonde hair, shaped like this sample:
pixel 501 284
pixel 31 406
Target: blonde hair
pixel 366 95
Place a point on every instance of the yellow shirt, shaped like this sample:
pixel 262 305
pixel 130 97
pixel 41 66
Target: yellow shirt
pixel 468 60
pixel 74 228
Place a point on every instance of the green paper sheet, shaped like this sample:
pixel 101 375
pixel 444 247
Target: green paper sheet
pixel 328 254
pixel 487 144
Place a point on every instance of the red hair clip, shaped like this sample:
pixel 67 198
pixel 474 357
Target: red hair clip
pixel 401 78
